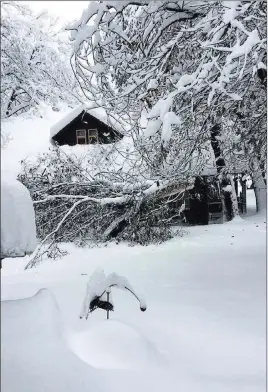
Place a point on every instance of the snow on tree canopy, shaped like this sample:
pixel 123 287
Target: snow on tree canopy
pixel 18 230
pixel 152 127
pixel 170 119
pixel 153 84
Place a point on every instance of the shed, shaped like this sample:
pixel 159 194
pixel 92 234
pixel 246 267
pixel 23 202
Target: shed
pixel 84 125
pixel 201 202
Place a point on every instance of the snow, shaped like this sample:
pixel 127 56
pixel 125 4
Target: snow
pixel 228 188
pixel 98 284
pixel 160 108
pixel 230 13
pixel 169 119
pixel 242 50
pixel 18 230
pixel 153 84
pixel 261 65
pixel 29 136
pixel 43 361
pixel 204 330
pixel 95 287
pixel 114 345
pixel 66 120
pixel 186 79
pixel 152 127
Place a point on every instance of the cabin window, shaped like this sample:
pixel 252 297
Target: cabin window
pixel 81 136
pixel 92 136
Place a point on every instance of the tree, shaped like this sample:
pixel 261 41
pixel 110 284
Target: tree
pixel 102 195
pixel 34 61
pixel 191 65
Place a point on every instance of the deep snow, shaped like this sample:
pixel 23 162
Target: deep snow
pixel 18 230
pixel 204 329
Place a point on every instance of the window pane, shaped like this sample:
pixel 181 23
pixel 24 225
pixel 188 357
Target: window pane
pixel 92 140
pixel 81 132
pixel 81 140
pixel 92 132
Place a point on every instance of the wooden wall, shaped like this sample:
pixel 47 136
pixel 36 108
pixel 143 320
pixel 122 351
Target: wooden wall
pixel 67 135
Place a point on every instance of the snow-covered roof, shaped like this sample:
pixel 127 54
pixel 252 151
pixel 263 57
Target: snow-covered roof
pixel 97 112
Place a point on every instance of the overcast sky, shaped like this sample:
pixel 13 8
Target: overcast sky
pixel 65 10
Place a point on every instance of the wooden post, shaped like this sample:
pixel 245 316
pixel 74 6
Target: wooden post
pixel 107 309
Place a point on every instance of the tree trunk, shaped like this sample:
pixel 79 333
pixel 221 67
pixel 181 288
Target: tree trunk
pixel 233 195
pixel 260 191
pixel 227 197
pixel 214 133
pixel 10 102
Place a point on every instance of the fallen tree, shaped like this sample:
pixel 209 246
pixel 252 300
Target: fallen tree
pixel 75 205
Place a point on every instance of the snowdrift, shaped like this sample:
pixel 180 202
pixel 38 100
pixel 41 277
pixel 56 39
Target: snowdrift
pixel 111 344
pixel 39 355
pixel 35 357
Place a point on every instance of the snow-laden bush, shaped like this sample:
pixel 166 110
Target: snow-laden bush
pixel 78 201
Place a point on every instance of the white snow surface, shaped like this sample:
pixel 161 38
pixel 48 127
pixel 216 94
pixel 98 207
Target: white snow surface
pixel 18 230
pixel 153 84
pixel 29 136
pixel 169 119
pixel 204 329
pixel 31 328
pixel 152 127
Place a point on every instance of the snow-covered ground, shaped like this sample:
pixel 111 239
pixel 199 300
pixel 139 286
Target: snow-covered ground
pixel 204 328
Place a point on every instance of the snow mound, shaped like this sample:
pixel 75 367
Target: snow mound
pixel 18 230
pixel 35 355
pixel 111 344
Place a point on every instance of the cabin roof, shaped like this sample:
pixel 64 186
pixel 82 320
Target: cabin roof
pixel 99 113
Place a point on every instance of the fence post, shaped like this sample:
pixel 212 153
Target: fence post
pixel 108 303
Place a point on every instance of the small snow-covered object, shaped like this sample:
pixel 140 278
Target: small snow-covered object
pixel 98 293
pixel 153 84
pixel 122 283
pixel 18 229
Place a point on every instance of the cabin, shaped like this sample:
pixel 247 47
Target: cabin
pixel 86 126
pixel 201 203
